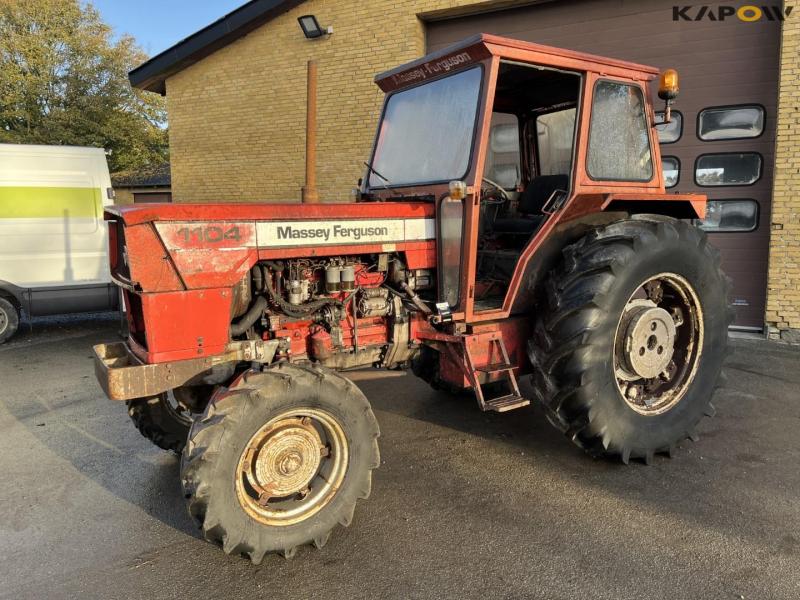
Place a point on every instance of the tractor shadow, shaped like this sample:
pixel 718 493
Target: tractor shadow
pixel 731 471
pixel 76 427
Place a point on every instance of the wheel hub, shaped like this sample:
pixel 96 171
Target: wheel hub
pixel 288 458
pixel 292 467
pixel 649 341
pixel 658 343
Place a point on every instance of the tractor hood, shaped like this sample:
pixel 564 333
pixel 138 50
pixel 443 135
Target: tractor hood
pixel 227 212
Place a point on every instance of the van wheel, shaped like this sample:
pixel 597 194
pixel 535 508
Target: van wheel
pixel 630 341
pixel 279 459
pixel 9 320
pixel 165 419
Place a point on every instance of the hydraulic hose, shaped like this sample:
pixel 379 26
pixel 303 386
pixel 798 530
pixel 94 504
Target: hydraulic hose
pixel 250 317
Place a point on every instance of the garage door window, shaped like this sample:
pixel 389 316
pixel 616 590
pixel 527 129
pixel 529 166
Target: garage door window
pixel 669 133
pixel 730 122
pixel 730 215
pixel 672 170
pixel 619 141
pixel 727 169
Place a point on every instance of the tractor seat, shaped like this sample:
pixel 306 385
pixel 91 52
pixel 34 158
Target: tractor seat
pixel 530 205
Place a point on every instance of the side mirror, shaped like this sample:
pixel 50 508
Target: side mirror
pixel 668 90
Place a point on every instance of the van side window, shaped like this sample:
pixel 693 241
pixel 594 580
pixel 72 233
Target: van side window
pixel 619 141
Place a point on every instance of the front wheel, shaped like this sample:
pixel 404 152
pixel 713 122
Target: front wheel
pixel 165 419
pixel 631 338
pixel 9 320
pixel 279 459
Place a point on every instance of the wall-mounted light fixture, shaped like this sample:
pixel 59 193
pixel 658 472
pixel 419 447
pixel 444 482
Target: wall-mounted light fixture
pixel 311 27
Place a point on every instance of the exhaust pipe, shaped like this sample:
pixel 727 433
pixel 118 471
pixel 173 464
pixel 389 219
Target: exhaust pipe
pixel 309 193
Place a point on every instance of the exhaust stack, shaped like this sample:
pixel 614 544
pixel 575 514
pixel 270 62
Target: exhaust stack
pixel 309 190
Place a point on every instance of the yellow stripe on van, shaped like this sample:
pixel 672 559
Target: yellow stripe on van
pixel 49 202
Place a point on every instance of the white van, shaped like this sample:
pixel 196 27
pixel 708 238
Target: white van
pixel 53 240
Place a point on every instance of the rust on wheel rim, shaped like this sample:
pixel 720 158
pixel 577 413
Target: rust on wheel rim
pixel 658 342
pixel 292 467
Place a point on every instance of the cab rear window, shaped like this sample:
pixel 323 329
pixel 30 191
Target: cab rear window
pixel 619 140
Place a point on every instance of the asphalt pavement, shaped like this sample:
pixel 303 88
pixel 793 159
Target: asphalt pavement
pixel 465 504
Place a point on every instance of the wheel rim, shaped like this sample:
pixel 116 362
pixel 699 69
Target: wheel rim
pixel 292 467
pixel 658 342
pixel 3 321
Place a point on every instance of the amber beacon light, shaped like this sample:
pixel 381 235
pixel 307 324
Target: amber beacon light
pixel 668 89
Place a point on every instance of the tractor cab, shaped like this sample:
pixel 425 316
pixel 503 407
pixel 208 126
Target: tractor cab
pixel 509 139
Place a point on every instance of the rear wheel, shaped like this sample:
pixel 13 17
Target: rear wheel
pixel 9 320
pixel 279 459
pixel 630 340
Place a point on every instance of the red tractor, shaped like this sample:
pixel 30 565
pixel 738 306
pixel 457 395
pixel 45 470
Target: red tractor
pixel 512 220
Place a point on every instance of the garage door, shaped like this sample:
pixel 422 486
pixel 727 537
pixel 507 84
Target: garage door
pixel 727 107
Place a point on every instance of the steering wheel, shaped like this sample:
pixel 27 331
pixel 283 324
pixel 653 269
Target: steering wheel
pixel 499 190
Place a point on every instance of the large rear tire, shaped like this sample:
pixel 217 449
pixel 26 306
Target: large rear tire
pixel 279 459
pixel 629 342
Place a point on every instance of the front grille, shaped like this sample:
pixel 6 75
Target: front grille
pixel 118 254
pixel 133 304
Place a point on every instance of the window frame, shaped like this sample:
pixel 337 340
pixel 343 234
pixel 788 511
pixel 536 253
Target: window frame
pixel 727 232
pixel 731 185
pixel 730 106
pixel 478 112
pixel 641 91
pixel 678 180
pixel 680 132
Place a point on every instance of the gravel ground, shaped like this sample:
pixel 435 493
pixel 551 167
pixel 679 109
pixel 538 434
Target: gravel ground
pixel 465 504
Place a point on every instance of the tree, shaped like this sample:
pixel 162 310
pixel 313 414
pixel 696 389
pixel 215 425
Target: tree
pixel 63 80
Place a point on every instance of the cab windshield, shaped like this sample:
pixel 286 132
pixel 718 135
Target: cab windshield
pixel 426 132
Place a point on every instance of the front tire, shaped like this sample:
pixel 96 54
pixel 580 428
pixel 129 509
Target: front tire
pixel 279 459
pixel 631 337
pixel 165 419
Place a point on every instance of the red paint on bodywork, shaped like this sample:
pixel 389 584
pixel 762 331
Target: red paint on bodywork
pixel 182 325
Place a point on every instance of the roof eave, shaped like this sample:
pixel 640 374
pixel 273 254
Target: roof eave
pixel 151 76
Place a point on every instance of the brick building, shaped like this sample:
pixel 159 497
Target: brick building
pixel 137 186
pixel 236 102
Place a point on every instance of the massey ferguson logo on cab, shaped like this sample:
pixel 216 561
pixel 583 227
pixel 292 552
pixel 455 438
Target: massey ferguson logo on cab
pixel 747 13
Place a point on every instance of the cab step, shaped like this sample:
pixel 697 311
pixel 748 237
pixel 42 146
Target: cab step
pixel 512 399
pixel 505 403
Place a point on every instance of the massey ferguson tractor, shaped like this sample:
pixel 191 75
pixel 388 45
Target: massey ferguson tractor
pixel 512 221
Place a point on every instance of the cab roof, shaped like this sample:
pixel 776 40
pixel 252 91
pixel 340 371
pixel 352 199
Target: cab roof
pixel 483 45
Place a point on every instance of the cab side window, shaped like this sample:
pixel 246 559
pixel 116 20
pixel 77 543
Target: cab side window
pixel 503 154
pixel 555 132
pixel 619 141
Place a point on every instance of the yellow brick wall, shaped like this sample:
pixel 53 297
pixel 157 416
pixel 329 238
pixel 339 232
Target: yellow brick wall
pixel 237 118
pixel 783 296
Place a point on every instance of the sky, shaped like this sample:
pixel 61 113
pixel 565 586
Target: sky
pixel 159 24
